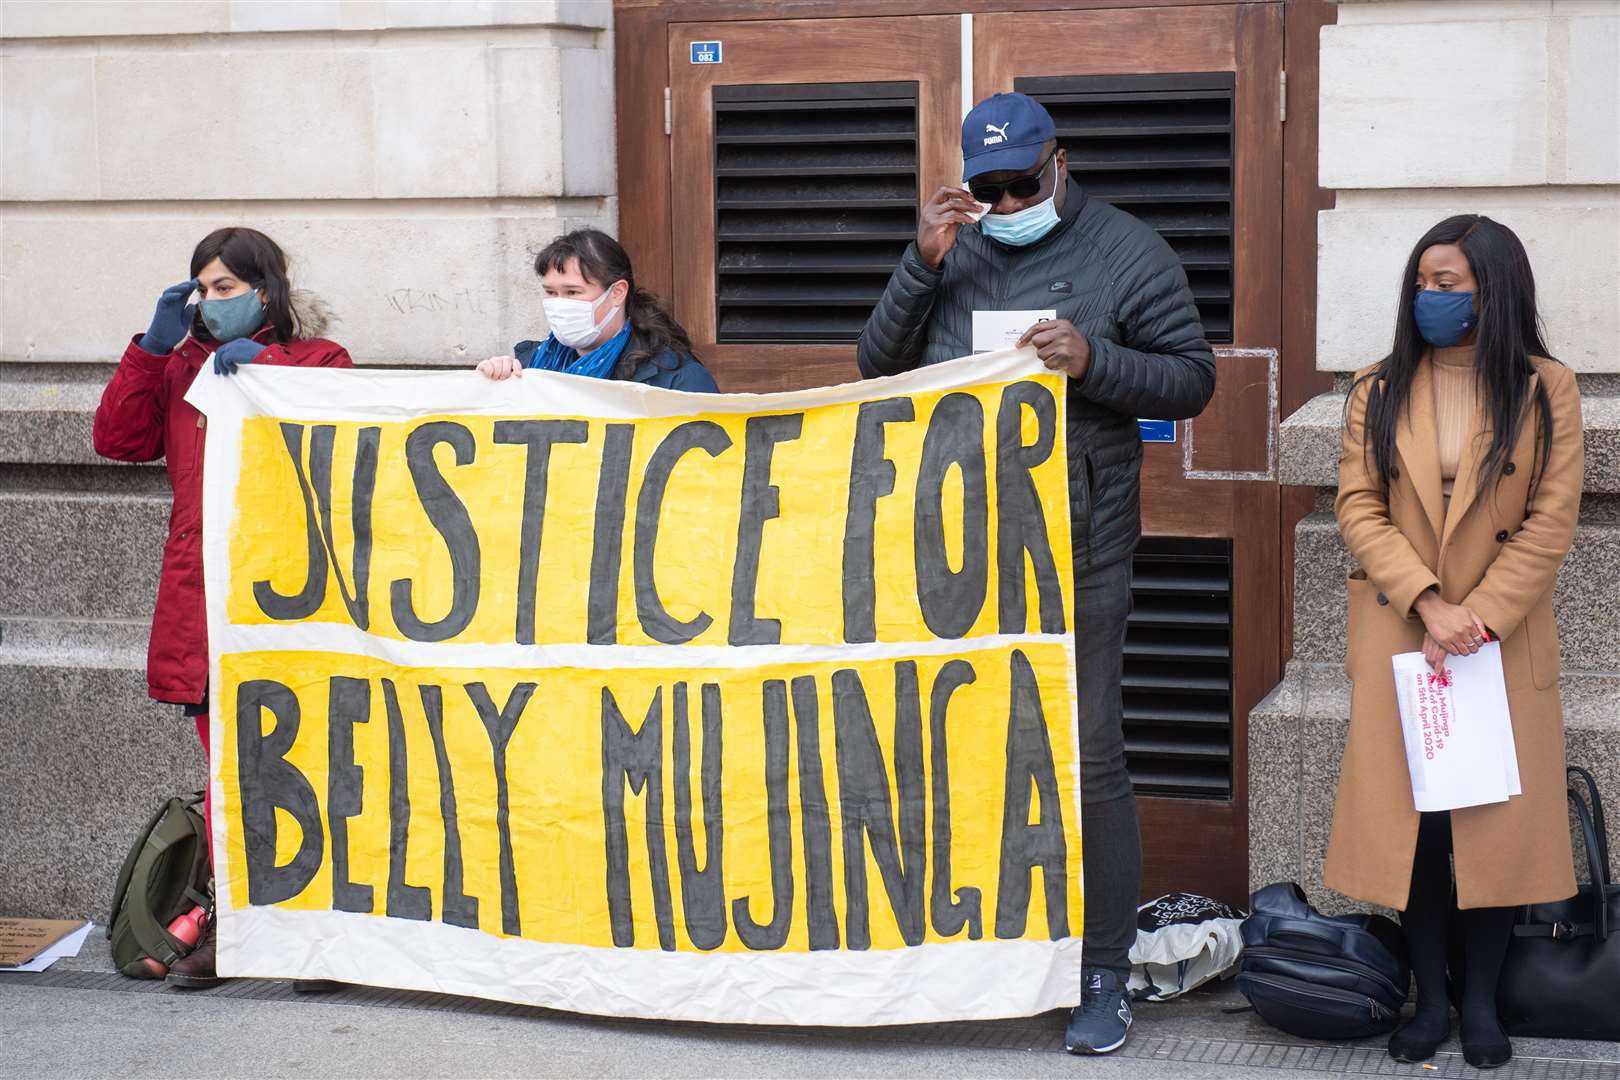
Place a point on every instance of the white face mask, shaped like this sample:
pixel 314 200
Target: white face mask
pixel 574 322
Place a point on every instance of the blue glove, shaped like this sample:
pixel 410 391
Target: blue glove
pixel 171 322
pixel 241 351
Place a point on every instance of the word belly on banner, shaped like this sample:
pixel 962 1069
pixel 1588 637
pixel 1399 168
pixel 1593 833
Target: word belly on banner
pixel 588 695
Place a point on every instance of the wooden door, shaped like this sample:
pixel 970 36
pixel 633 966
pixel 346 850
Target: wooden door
pixel 797 162
pixel 1154 103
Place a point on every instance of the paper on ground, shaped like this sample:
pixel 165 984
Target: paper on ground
pixel 1459 735
pixel 67 946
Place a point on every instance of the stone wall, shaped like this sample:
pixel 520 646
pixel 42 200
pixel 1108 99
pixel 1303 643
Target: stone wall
pixel 1429 109
pixel 410 157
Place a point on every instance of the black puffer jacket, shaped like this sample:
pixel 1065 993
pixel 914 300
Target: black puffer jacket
pixel 1122 286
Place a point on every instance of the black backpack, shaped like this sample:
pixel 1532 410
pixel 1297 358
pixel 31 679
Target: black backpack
pixel 1319 976
pixel 165 874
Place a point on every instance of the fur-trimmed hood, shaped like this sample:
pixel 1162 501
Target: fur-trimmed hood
pixel 312 315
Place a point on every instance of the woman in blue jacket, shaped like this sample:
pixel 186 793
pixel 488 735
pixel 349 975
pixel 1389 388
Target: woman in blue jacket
pixel 602 325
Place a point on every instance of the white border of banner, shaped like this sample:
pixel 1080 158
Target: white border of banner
pixel 338 394
pixel 977 980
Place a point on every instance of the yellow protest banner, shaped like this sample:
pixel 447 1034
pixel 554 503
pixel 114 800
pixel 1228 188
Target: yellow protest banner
pixel 619 700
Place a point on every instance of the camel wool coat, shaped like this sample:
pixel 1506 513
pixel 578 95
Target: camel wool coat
pixel 1497 552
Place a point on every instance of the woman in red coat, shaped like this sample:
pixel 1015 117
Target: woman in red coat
pixel 248 314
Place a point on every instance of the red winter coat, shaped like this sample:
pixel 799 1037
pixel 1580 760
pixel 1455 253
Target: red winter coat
pixel 144 416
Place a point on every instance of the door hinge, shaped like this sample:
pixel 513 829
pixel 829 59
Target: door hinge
pixel 667 111
pixel 1282 100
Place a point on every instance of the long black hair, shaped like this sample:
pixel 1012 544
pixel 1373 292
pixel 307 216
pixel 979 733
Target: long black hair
pixel 603 261
pixel 257 260
pixel 1509 334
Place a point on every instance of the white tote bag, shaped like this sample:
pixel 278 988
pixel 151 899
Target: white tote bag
pixel 1183 940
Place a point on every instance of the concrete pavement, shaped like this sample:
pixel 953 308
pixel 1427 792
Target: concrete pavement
pixel 81 1021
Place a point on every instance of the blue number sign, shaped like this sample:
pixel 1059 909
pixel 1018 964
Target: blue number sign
pixel 1157 430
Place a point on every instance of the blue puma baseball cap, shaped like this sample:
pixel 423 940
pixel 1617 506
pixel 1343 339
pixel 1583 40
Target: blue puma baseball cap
pixel 1004 132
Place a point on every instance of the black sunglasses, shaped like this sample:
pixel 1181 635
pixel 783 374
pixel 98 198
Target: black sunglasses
pixel 1019 187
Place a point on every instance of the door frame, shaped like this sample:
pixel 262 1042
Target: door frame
pixel 646 227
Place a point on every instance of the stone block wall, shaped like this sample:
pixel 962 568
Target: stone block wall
pixel 407 168
pixel 1507 108
pixel 1523 131
pixel 410 156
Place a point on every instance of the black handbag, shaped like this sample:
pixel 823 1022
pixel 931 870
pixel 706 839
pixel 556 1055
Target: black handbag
pixel 1561 978
pixel 1321 976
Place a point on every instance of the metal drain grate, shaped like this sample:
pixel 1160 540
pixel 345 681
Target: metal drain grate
pixel 1040 1034
pixel 1356 1061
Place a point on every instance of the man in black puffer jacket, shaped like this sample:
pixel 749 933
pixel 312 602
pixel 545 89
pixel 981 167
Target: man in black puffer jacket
pixel 1129 337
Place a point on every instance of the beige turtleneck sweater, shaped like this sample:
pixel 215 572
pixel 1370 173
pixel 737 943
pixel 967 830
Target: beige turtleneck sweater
pixel 1455 404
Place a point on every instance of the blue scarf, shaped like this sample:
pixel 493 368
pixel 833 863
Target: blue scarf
pixel 553 355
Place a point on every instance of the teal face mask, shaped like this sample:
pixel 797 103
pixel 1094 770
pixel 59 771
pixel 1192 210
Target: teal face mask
pixel 237 317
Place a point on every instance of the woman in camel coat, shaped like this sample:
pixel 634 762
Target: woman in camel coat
pixel 1459 488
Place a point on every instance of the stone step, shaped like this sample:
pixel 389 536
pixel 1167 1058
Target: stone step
pixel 1296 744
pixel 1309 440
pixel 80 555
pixel 1584 600
pixel 116 645
pixel 46 416
pixel 48 423
pixel 88 758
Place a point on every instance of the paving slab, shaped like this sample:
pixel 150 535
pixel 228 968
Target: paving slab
pixel 80 1019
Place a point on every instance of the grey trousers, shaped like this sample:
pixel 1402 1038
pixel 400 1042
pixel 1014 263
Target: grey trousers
pixel 1112 854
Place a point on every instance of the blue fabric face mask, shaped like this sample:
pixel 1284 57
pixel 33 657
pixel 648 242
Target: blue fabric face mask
pixel 1444 318
pixel 1024 227
pixel 236 317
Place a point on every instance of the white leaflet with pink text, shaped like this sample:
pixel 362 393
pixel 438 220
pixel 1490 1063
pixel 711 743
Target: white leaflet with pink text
pixel 1459 736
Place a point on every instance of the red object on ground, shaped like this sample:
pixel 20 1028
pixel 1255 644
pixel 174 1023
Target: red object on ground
pixel 188 928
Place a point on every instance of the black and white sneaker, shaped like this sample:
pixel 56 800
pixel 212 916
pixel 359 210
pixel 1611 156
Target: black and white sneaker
pixel 1102 1020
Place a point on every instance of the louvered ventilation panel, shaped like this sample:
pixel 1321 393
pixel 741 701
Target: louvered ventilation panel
pixel 1178 668
pixel 1158 147
pixel 815 201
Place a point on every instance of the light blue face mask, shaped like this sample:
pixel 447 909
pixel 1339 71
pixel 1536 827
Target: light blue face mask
pixel 1025 226
pixel 236 317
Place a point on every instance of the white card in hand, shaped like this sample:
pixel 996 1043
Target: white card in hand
pixel 994 330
